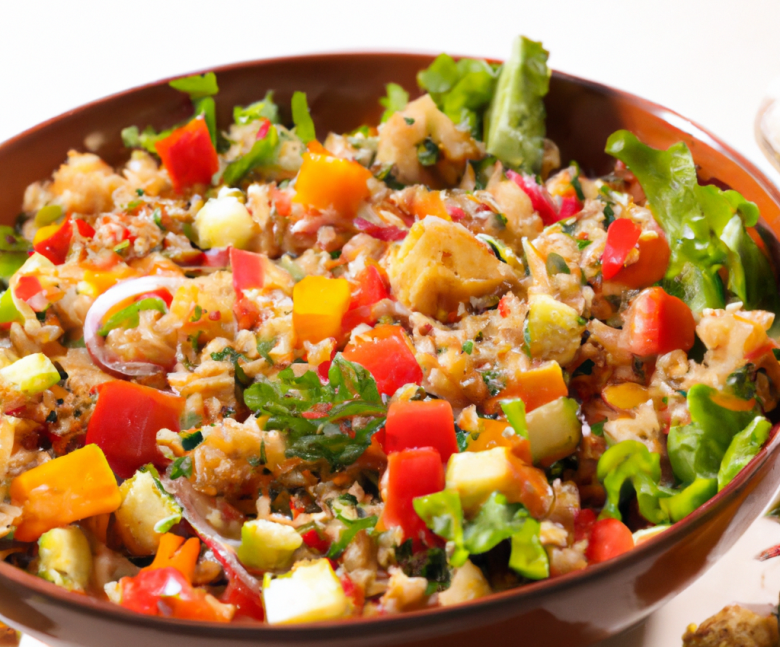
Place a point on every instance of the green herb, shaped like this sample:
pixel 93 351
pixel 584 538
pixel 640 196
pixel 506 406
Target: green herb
pixel 609 215
pixel 556 265
pixel 265 109
pixel 598 429
pixel 335 254
pixel 742 382
pixel 468 347
pixel 494 381
pixel 264 152
pixel 409 121
pixel 191 419
pixel 264 348
pixel 47 215
pixel 195 340
pixel 396 100
pixel 157 217
pixel 462 437
pixel 197 85
pixel 197 313
pixel 181 467
pixel 430 564
pixel 582 244
pixel 122 246
pixel 351 393
pixel 129 317
pixel 515 120
pixel 52 417
pixel 515 415
pixel 191 441
pixel 427 152
pixel 226 354
pixel 353 528
pixel 575 182
pixel 304 125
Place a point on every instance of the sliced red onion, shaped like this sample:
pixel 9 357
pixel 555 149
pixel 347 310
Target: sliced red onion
pixel 386 232
pixel 224 548
pixel 96 345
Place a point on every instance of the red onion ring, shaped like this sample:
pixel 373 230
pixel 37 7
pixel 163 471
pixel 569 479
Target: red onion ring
pixel 380 232
pixel 96 345
pixel 224 548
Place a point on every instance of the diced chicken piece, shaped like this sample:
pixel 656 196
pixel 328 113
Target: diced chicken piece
pixel 407 129
pixel 733 625
pixel 441 265
pixel 468 583
pixel 85 184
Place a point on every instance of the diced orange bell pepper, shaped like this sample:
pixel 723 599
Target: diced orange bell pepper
pixel 188 155
pixel 327 182
pixel 535 388
pixel 319 303
pixel 625 396
pixel 492 435
pixel 429 203
pixel 61 491
pixel 177 553
pixel 101 280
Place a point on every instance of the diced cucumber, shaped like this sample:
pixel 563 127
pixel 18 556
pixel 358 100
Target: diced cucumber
pixel 31 374
pixel 267 545
pixel 311 592
pixel 65 558
pixel 554 430
pixel 554 329
pixel 224 221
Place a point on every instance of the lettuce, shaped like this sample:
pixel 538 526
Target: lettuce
pixel 264 152
pixel 396 100
pixel 304 125
pixel 264 109
pixel 743 447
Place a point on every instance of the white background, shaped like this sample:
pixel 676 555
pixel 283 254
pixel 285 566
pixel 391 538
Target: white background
pixel 710 60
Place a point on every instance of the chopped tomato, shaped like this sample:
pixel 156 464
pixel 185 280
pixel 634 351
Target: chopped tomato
pixel 53 241
pixel 651 266
pixel 387 354
pixel 421 424
pixel 658 323
pixel 188 155
pixel 411 473
pixel 85 229
pixel 622 237
pixel 247 268
pixel 125 422
pixel 370 289
pixel 315 541
pixel 166 592
pixel 247 604
pixel 27 287
pixel 570 205
pixel 583 524
pixel 163 294
pixel 608 538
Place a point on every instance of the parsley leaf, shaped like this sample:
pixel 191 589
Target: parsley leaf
pixel 396 100
pixel 181 467
pixel 260 109
pixel 304 125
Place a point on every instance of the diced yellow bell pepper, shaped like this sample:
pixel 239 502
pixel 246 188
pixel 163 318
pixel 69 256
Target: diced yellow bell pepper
pixel 327 182
pixel 535 388
pixel 46 232
pixel 319 304
pixel 625 396
pixel 31 374
pixel 96 282
pixel 176 553
pixel 61 491
pixel 429 203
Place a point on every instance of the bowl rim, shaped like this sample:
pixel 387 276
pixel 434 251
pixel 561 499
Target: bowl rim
pixel 655 544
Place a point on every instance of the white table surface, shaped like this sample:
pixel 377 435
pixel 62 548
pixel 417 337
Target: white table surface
pixel 710 60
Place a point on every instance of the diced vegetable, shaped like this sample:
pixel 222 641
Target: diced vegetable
pixel 411 473
pixel 609 538
pixel 319 304
pixel 476 475
pixel 498 433
pixel 50 496
pixel 554 431
pixel 166 592
pixel 188 154
pixel 651 265
pixel 65 558
pixel 622 236
pixel 174 552
pixel 327 182
pixel 540 198
pixel 370 289
pixel 514 122
pixel 125 422
pixel 658 323
pixel 146 513
pixel 396 100
pixel 534 387
pixel 414 424
pixel 387 354
pixel 53 241
pixel 224 221
pixel 628 395
pixel 31 374
pixel 554 329
pixel 304 125
pixel 311 592
pixel 743 447
pixel 247 268
pixel 129 317
pixel 264 153
pixel 528 556
pixel 267 545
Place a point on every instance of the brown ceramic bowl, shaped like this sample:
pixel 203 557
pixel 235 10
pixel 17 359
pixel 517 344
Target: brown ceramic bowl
pixel 576 609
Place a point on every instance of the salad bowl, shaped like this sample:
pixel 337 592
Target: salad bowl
pixel 576 609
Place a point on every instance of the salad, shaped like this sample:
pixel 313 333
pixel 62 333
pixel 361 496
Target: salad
pixel 261 373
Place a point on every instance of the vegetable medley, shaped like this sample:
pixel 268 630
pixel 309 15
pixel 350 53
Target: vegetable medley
pixel 258 374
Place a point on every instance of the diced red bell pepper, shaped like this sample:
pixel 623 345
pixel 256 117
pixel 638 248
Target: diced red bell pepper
pixel 163 294
pixel 217 257
pixel 247 268
pixel 387 354
pixel 188 155
pixel 56 245
pixel 248 605
pixel 608 538
pixel 569 206
pixel 622 235
pixel 166 592
pixel 411 473
pixel 125 422
pixel 583 524
pixel 658 323
pixel 540 198
pixel 85 229
pixel 370 289
pixel 413 424
pixel 315 541
pixel 27 287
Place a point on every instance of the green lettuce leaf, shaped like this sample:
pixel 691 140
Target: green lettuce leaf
pixel 304 125
pixel 264 109
pixel 396 100
pixel 514 122
pixel 197 85
pixel 264 152
pixel 743 447
pixel 443 514
pixel 528 557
